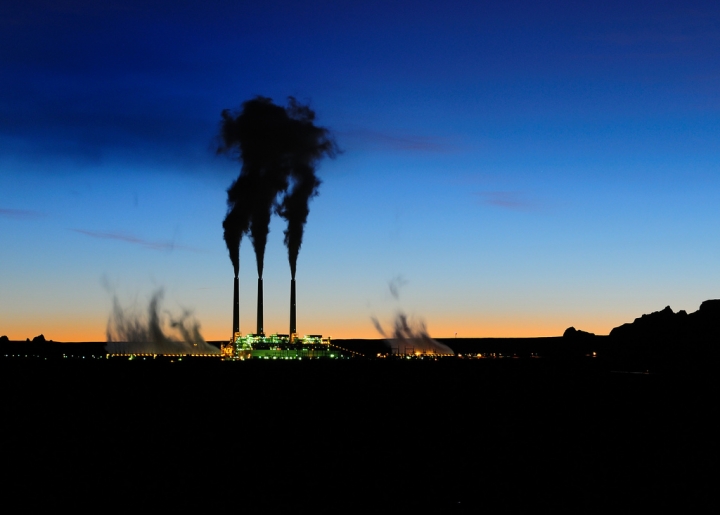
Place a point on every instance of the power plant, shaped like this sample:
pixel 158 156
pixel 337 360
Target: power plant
pixel 278 149
pixel 274 346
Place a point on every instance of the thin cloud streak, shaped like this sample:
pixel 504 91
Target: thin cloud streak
pixel 20 214
pixel 512 200
pixel 129 238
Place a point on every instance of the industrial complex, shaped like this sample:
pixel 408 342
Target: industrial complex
pixel 276 346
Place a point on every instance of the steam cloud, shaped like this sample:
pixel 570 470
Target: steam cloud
pixel 155 332
pixel 278 147
pixel 408 337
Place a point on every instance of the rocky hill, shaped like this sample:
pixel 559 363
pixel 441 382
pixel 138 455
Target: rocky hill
pixel 702 325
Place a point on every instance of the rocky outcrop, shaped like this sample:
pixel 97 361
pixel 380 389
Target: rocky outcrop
pixel 703 324
pixel 666 339
pixel 573 333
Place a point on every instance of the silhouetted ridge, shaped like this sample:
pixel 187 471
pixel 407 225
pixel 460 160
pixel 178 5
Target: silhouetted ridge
pixel 571 332
pixel 665 339
pixel 702 325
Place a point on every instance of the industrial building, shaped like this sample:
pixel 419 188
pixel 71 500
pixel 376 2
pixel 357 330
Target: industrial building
pixel 276 346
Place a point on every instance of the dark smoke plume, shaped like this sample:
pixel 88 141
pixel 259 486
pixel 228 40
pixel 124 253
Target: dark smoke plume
pixel 237 221
pixel 295 209
pixel 378 327
pixel 275 145
pixel 130 331
pixel 311 144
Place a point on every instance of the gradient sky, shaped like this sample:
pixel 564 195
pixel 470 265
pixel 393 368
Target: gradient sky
pixel 514 167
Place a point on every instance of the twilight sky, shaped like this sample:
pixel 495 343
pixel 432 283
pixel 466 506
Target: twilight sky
pixel 510 168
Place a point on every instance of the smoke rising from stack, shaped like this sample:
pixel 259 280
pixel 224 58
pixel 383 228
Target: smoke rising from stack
pixel 311 144
pixel 237 220
pixel 275 145
pixel 279 148
pixel 155 331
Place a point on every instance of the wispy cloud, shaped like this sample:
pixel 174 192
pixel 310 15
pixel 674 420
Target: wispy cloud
pixel 513 200
pixel 20 214
pixel 399 142
pixel 129 238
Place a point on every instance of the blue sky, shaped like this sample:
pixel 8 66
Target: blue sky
pixel 521 167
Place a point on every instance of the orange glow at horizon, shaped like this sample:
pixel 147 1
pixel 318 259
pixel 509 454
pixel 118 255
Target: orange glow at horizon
pixel 82 329
pixel 62 329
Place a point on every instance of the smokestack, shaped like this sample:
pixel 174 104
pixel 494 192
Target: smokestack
pixel 293 328
pixel 260 329
pixel 236 307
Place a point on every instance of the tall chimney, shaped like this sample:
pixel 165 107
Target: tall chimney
pixel 293 321
pixel 260 329
pixel 236 307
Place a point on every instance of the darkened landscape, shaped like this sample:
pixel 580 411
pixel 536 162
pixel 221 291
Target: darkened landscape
pixel 454 434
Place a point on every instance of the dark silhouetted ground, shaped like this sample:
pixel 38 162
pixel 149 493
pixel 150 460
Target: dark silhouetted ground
pixel 456 435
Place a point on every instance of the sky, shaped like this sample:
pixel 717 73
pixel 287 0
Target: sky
pixel 507 169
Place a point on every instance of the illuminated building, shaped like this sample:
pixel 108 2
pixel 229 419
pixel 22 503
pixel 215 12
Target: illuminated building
pixel 281 346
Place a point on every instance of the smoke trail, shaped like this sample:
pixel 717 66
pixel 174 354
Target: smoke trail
pixel 237 220
pixel 395 284
pixel 408 337
pixel 378 327
pixel 130 331
pixel 274 145
pixel 259 136
pixel 295 210
pixel 311 143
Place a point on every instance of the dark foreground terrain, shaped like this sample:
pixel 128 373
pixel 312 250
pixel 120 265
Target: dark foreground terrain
pixel 455 435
